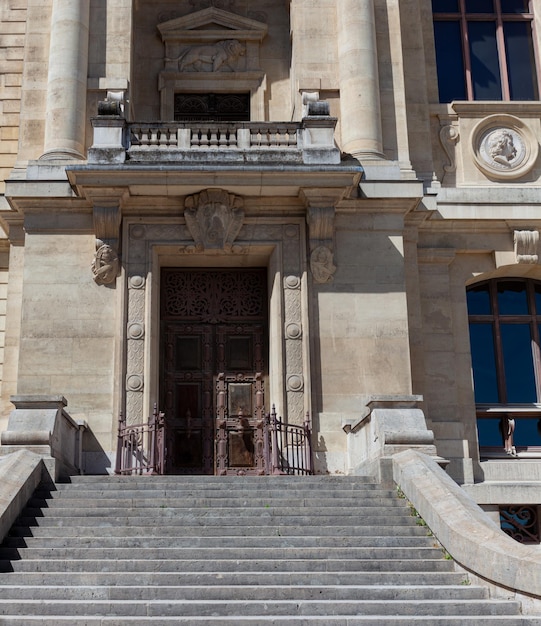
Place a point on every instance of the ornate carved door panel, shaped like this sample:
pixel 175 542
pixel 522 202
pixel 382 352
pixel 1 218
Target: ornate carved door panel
pixel 214 322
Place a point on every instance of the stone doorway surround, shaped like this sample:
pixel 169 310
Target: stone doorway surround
pixel 278 244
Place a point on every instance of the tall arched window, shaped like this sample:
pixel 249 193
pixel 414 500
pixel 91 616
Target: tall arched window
pixel 505 328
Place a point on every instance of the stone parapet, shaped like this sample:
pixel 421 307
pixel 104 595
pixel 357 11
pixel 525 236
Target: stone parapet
pixel 310 142
pixel 390 424
pixel 463 528
pixel 42 425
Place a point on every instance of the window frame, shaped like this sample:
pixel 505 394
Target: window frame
pixel 502 408
pixel 499 18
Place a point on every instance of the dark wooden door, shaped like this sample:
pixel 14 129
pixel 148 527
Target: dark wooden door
pixel 214 325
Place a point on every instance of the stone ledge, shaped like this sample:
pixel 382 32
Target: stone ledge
pixel 464 529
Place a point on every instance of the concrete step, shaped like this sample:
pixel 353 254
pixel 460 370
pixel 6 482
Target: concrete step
pixel 225 553
pixel 184 501
pixel 231 541
pixel 110 529
pixel 211 579
pixel 229 565
pixel 207 607
pixel 133 509
pixel 245 592
pixel 271 620
pixel 285 482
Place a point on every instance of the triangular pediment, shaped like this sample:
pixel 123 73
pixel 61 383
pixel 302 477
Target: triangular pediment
pixel 213 21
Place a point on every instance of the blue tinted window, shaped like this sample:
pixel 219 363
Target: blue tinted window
pixel 526 432
pixel 489 432
pixel 483 363
pixel 518 363
pixel 520 60
pixel 479 300
pixel 484 61
pixel 444 6
pixel 515 6
pixel 449 60
pixel 479 6
pixel 512 298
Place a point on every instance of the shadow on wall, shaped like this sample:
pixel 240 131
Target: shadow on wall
pixel 95 459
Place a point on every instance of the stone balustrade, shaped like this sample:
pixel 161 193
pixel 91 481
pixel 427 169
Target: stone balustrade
pixel 309 142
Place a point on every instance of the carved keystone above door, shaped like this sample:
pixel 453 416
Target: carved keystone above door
pixel 214 218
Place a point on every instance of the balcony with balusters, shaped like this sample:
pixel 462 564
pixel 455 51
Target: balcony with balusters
pixel 309 141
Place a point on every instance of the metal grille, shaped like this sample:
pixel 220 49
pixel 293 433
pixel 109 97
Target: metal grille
pixel 521 522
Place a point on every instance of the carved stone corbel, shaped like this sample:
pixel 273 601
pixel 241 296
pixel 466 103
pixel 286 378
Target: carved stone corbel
pixel 106 264
pixel 449 136
pixel 214 218
pixel 526 246
pixel 320 222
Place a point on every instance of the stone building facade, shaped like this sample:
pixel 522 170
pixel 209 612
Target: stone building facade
pixel 372 163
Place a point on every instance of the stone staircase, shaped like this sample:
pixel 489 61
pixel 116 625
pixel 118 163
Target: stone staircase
pixel 232 551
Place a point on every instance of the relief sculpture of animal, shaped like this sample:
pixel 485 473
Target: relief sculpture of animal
pixel 221 56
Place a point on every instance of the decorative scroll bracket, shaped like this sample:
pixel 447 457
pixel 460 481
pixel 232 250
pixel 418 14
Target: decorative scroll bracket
pixel 214 218
pixel 526 246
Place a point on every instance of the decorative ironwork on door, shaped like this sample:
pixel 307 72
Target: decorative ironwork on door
pixel 213 322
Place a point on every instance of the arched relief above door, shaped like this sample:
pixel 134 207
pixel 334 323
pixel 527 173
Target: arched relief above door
pixel 212 51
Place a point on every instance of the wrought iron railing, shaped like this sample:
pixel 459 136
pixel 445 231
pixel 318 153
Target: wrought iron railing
pixel 287 448
pixel 290 447
pixel 141 447
pixel 521 522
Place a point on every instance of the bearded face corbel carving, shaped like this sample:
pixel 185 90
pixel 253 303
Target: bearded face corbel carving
pixel 214 218
pixel 106 264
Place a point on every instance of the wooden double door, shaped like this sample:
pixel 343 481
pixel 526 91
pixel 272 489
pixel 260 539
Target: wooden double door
pixel 214 360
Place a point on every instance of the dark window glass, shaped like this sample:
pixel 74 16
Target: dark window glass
pixel 188 353
pixel 489 432
pixel 478 298
pixel 515 6
pixel 449 61
pixel 484 363
pixel 520 60
pixel 512 299
pixel 484 61
pixel 518 363
pixel 526 432
pixel 537 291
pixel 444 6
pixel 479 6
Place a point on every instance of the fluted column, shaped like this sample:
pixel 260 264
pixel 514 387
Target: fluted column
pixel 65 120
pixel 359 84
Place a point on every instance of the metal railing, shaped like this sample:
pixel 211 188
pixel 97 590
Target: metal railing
pixel 290 447
pixel 287 447
pixel 141 447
